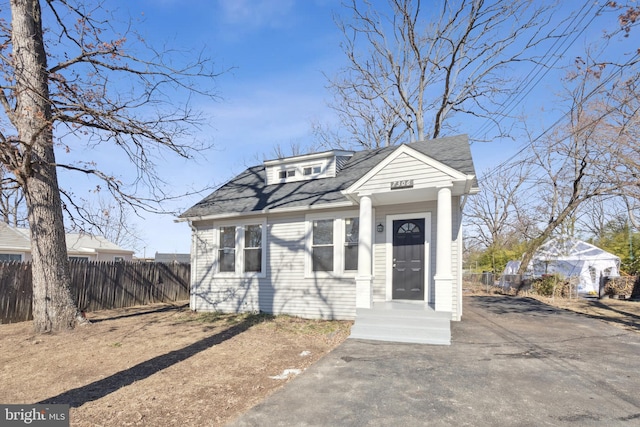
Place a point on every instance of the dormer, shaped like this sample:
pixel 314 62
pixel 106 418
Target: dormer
pixel 306 167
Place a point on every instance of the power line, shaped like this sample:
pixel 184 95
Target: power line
pixel 522 92
pixel 595 90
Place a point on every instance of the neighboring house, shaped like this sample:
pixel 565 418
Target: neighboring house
pixel 15 245
pixel 173 258
pixel 371 235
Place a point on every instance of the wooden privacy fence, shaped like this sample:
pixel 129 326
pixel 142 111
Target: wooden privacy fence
pixel 97 286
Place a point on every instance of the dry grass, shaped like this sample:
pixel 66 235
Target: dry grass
pixel 160 365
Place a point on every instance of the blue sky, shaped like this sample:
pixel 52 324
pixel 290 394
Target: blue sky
pixel 278 51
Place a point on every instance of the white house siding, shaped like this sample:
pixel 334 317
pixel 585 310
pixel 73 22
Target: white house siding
pixel 456 257
pixel 208 292
pixel 405 167
pixel 289 290
pixel 331 167
pixel 283 290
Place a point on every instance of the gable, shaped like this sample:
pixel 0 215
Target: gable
pixel 404 168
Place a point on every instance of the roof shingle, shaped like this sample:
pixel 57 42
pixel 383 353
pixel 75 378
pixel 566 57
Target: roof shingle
pixel 248 192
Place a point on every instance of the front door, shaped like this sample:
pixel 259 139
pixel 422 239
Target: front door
pixel 408 259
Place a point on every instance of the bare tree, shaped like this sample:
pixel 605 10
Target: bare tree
pixel 497 215
pixel 111 219
pixel 12 203
pixel 411 70
pixel 595 215
pixel 625 117
pixel 84 83
pixel 584 159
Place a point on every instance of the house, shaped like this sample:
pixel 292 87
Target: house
pixel 370 235
pixel 15 245
pixel 172 258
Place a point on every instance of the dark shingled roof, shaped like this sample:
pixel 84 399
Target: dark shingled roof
pixel 248 192
pixel 169 258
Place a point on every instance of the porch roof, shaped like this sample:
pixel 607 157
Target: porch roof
pixel 248 192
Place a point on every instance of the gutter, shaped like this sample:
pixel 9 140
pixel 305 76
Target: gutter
pixel 266 211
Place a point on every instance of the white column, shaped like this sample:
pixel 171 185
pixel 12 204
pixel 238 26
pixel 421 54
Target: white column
pixel 364 279
pixel 443 277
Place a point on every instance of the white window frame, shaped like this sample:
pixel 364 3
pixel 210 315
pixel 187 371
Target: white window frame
pixel 338 244
pixel 287 170
pixel 298 171
pixel 239 248
pixel 313 166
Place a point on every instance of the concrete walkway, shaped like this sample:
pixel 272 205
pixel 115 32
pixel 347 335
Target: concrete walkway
pixel 512 362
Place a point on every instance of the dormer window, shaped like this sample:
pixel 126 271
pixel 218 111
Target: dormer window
pixel 311 170
pixel 289 173
pixel 305 167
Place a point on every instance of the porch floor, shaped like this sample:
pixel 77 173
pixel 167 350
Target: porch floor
pixel 402 321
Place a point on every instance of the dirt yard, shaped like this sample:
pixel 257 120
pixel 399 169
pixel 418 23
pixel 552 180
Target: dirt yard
pixel 160 365
pixel 164 365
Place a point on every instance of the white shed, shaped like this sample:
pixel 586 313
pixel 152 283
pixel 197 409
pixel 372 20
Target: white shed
pixel 571 257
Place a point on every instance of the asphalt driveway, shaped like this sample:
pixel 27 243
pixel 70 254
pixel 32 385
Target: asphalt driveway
pixel 512 362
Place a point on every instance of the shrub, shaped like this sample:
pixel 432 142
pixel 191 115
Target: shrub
pixel 545 285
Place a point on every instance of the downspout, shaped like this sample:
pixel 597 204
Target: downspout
pixel 194 266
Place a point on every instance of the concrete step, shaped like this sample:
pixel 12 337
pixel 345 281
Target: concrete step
pixel 402 323
pixel 406 335
pixel 407 315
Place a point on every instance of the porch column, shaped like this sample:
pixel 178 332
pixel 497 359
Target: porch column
pixel 443 277
pixel 364 278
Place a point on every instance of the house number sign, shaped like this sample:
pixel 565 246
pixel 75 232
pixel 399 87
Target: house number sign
pixel 405 183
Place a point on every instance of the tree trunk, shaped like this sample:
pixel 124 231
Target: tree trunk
pixel 53 305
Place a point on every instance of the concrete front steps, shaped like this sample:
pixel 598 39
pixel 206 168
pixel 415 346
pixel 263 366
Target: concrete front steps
pixel 407 322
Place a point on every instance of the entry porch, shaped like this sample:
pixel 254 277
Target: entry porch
pixel 402 321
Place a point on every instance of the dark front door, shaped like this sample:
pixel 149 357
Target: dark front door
pixel 408 259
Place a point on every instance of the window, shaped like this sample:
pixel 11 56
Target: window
pixel 241 248
pixel 351 226
pixel 409 228
pixel 79 258
pixel 332 244
pixel 253 248
pixel 118 259
pixel 311 170
pixel 288 173
pixel 10 257
pixel 227 249
pixel 322 247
